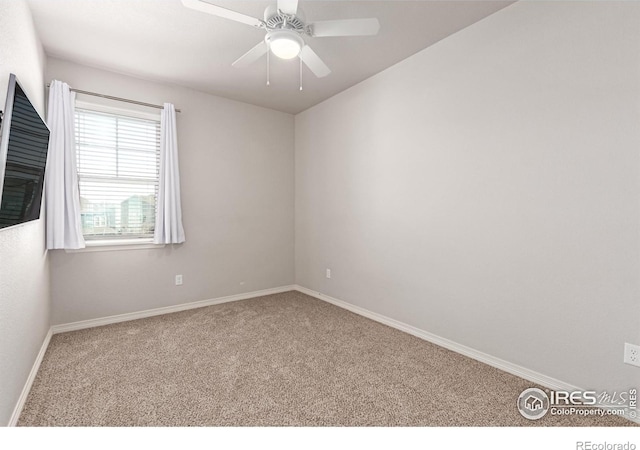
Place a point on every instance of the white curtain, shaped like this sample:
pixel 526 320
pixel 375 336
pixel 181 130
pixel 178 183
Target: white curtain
pixel 62 197
pixel 169 212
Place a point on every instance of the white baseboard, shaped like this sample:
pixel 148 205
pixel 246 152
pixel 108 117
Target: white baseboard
pixel 164 310
pixel 514 369
pixel 13 421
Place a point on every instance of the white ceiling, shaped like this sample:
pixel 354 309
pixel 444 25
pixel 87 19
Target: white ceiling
pixel 164 41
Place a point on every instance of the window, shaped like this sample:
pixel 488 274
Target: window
pixel 118 158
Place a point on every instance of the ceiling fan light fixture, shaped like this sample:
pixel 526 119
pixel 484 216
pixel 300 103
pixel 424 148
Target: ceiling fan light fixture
pixel 284 44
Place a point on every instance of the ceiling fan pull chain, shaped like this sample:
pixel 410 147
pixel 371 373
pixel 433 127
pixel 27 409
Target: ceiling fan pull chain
pixel 300 73
pixel 268 83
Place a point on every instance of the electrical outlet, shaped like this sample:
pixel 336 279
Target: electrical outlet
pixel 328 273
pixel 178 280
pixel 632 354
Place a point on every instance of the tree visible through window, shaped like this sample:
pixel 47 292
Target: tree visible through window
pixel 118 165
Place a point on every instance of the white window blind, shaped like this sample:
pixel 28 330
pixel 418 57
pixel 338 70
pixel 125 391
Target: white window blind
pixel 118 159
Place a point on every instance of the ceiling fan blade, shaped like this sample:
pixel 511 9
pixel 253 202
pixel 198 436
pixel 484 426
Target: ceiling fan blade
pixel 288 6
pixel 252 55
pixel 205 6
pixel 347 27
pixel 313 62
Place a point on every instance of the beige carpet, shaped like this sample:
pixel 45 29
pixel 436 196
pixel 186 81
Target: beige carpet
pixel 285 359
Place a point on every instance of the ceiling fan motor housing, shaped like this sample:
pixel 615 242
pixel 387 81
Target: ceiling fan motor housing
pixel 277 21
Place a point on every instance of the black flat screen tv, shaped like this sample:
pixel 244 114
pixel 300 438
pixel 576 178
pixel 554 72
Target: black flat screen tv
pixel 24 142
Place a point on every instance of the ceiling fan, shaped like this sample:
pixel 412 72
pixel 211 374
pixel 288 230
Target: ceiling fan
pixel 285 28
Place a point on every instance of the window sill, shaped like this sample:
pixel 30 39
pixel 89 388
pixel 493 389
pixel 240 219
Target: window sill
pixel 116 245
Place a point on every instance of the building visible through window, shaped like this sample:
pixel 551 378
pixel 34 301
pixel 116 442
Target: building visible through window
pixel 118 166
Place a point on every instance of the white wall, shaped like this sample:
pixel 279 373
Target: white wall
pixel 487 190
pixel 237 172
pixel 24 269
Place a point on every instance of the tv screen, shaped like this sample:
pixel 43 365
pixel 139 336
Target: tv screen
pixel 24 142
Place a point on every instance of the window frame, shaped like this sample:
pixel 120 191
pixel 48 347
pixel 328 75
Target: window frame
pixel 124 243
